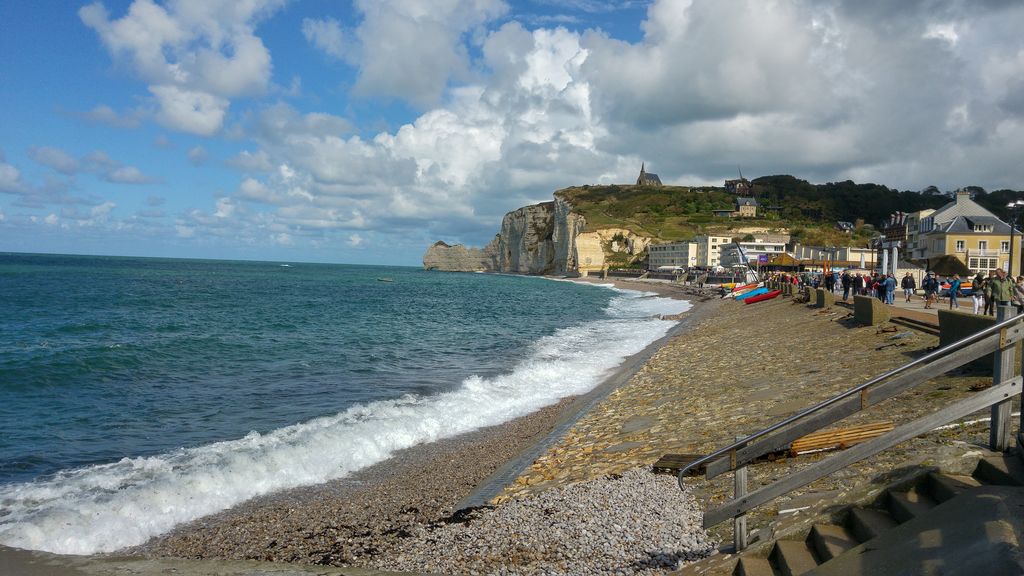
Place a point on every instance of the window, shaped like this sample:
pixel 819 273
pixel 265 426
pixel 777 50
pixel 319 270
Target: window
pixel 1004 246
pixel 982 264
pixel 959 245
pixel 982 244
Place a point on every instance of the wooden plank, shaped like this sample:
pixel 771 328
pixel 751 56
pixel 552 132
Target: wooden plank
pixel 999 433
pixel 818 470
pixel 843 438
pixel 781 439
pixel 673 463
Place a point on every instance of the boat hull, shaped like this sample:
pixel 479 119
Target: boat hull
pixel 762 297
pixel 752 293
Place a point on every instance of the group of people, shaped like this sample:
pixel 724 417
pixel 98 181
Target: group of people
pixel 997 289
pixel 988 292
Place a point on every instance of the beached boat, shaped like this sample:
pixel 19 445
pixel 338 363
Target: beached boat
pixel 762 297
pixel 966 289
pixel 751 293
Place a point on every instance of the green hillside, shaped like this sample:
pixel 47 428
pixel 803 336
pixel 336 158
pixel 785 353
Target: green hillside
pixel 808 211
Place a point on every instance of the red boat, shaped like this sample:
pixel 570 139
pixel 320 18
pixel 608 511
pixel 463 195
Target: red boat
pixel 760 297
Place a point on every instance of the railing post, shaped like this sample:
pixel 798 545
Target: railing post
pixel 999 433
pixel 739 523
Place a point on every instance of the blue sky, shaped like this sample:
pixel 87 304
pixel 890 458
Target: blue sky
pixel 362 131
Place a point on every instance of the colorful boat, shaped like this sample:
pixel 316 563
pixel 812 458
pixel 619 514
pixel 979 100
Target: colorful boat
pixel 739 288
pixel 754 292
pixel 762 297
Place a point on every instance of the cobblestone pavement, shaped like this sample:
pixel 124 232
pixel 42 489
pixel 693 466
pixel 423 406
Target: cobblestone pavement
pixel 740 369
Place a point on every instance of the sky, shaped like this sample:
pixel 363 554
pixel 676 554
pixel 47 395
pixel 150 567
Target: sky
pixel 363 131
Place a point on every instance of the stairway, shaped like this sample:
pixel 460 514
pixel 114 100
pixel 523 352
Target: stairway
pixel 954 510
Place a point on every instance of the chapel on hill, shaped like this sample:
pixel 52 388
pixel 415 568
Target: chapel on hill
pixel 647 179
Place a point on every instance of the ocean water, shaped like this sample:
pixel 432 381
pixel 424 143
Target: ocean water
pixel 138 394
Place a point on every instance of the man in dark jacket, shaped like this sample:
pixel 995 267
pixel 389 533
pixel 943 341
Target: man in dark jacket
pixel 909 285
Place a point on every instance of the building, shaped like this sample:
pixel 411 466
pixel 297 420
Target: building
pixel 738 186
pixel 815 258
pixel 966 230
pixel 673 254
pixel 709 250
pixel 745 207
pixel 915 247
pixel 767 246
pixel 647 178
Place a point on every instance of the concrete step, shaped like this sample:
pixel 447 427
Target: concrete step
pixel 867 523
pixel 753 567
pixel 942 487
pixel 1001 470
pixel 792 557
pixel 977 532
pixel 906 505
pixel 829 541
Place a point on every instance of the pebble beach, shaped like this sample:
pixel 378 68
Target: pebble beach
pixel 588 502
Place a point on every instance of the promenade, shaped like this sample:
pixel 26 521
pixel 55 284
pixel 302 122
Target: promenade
pixel 742 368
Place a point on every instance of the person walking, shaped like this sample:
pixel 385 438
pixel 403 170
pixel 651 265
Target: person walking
pixel 930 285
pixel 889 285
pixel 978 292
pixel 987 294
pixel 954 291
pixel 1002 288
pixel 909 285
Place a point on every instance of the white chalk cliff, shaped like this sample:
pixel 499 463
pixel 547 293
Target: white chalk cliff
pixel 545 238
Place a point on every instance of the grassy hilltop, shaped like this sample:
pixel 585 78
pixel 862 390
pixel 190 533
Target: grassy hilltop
pixel 809 212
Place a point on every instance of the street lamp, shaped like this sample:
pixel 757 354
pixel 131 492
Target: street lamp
pixel 1015 208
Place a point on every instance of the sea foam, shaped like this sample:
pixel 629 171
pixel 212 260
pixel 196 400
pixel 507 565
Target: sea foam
pixel 108 507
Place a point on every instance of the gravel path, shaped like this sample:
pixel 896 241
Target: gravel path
pixel 636 523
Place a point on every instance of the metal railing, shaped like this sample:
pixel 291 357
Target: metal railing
pixel 999 338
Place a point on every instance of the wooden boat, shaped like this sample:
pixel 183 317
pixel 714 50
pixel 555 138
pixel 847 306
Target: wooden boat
pixel 762 297
pixel 754 292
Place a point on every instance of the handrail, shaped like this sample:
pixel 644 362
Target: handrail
pixel 994 329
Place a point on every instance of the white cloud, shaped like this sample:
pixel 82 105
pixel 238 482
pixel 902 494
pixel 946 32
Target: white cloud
pixel 409 50
pixel 197 156
pixel 51 219
pixel 190 111
pixel 10 177
pixel 194 55
pixel 355 240
pixel 326 35
pixel 54 158
pixel 258 161
pixel 128 175
pixel 162 141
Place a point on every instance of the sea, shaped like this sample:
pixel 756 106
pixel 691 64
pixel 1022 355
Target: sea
pixel 137 394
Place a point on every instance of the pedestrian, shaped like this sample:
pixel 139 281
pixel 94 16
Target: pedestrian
pixel 954 291
pixel 1002 288
pixel 931 287
pixel 889 285
pixel 846 281
pixel 909 285
pixel 987 293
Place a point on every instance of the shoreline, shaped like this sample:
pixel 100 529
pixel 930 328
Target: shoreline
pixel 350 520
